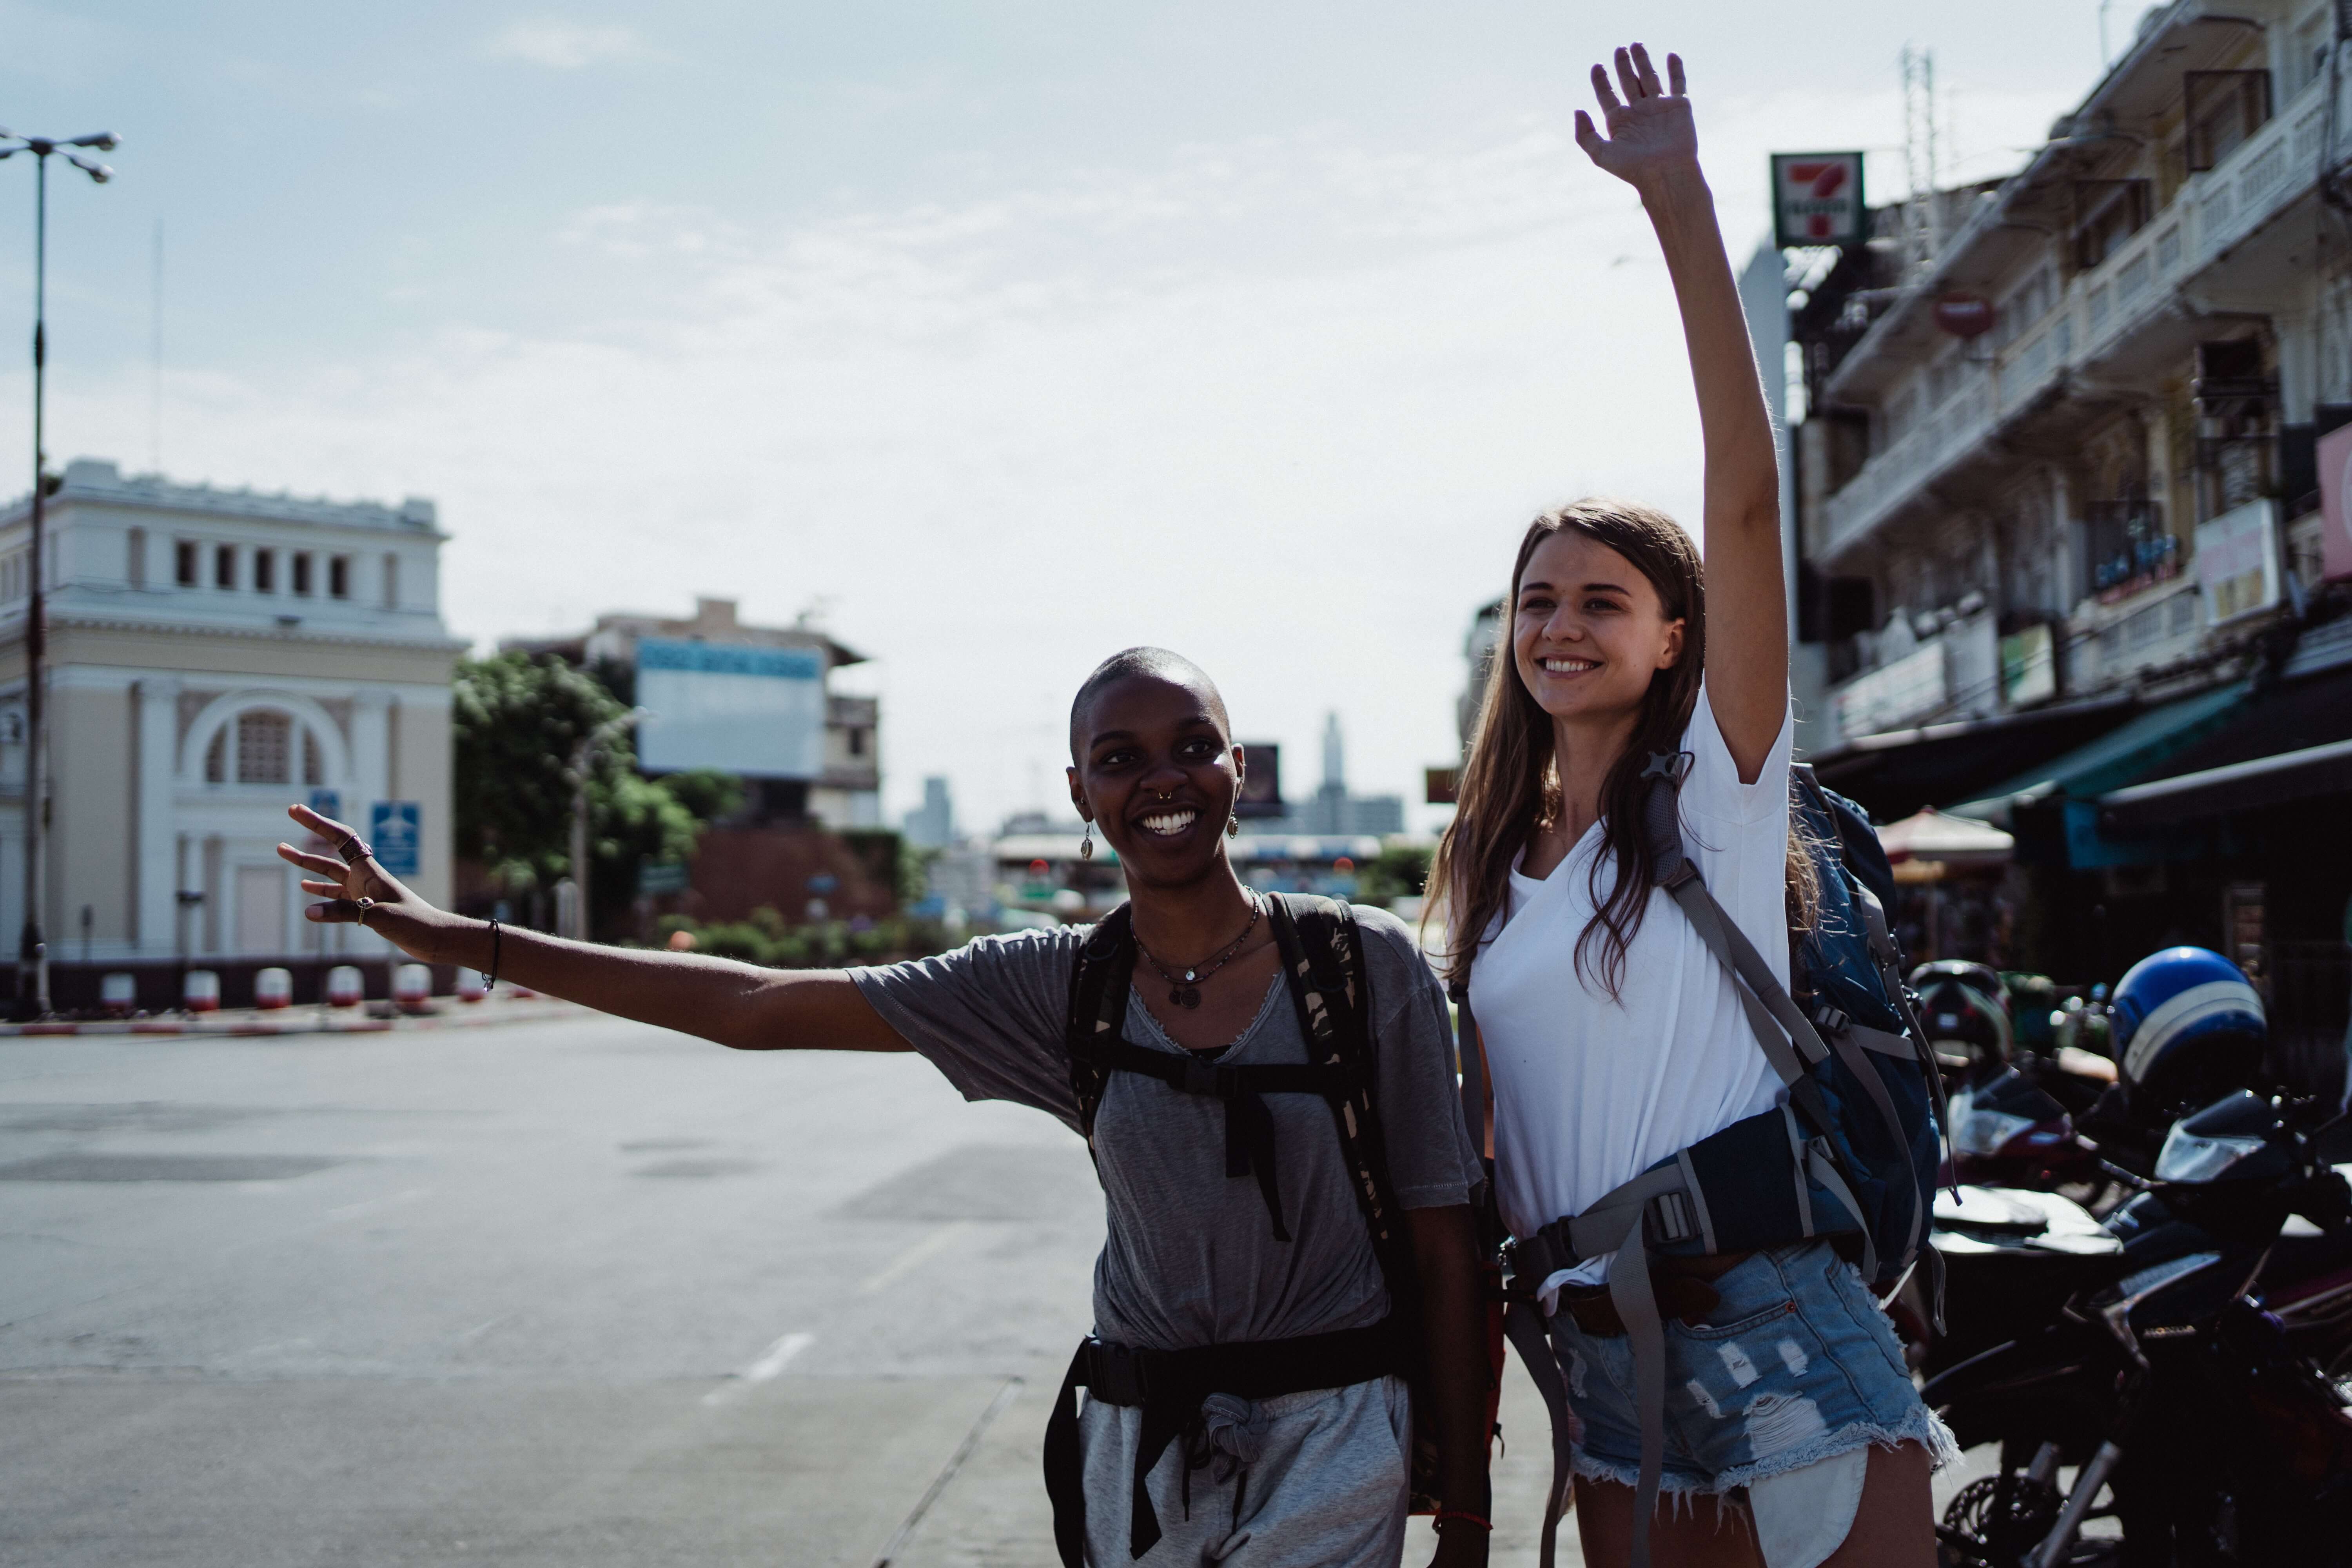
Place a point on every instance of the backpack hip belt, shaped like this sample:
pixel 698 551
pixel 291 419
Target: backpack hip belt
pixel 1169 1387
pixel 1816 1165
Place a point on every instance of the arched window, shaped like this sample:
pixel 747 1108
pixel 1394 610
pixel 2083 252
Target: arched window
pixel 314 766
pixel 264 739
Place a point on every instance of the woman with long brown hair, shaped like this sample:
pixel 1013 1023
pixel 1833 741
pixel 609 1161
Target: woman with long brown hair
pixel 1613 1038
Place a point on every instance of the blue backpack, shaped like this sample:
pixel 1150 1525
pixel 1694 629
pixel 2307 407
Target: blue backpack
pixel 1849 1155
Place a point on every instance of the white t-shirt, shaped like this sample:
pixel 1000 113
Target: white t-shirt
pixel 1589 1092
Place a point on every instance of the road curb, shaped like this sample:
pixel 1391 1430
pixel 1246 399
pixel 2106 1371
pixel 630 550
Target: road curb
pixel 248 1022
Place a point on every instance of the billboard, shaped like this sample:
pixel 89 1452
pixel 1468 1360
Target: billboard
pixel 1817 199
pixel 757 711
pixel 2335 503
pixel 1262 785
pixel 2237 562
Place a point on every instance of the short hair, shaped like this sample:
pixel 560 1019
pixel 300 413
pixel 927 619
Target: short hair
pixel 1155 663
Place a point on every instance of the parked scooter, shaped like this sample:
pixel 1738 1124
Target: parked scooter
pixel 2191 1363
pixel 2218 1298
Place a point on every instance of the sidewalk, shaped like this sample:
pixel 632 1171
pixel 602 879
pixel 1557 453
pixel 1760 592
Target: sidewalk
pixel 505 1006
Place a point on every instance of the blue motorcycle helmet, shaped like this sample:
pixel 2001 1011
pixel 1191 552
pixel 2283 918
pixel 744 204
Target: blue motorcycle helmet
pixel 2189 1028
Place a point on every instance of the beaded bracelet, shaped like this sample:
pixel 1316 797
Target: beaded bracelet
pixel 1439 1520
pixel 490 979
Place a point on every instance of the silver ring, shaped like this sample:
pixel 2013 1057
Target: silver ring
pixel 365 905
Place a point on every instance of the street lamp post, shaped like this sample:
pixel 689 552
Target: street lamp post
pixel 583 757
pixel 32 951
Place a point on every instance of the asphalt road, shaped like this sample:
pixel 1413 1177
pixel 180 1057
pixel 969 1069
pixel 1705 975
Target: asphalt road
pixel 576 1292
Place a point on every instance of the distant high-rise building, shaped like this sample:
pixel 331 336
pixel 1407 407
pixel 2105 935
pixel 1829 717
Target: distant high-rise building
pixel 931 826
pixel 1331 810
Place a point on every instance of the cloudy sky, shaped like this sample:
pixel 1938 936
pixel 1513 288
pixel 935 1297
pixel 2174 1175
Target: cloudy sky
pixel 1002 336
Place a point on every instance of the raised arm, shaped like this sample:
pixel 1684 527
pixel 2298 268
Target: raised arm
pixel 1652 145
pixel 737 1004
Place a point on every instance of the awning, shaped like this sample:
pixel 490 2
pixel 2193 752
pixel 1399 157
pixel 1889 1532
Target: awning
pixel 1895 773
pixel 1956 840
pixel 2241 786
pixel 2123 755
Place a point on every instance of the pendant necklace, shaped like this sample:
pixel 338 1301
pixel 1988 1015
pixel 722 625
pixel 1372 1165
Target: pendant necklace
pixel 1184 989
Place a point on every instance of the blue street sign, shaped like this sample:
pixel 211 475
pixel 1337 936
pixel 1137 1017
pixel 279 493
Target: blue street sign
pixel 395 828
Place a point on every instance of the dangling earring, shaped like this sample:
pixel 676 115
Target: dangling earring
pixel 1087 844
pixel 1233 825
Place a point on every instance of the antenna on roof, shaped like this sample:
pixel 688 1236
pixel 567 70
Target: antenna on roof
pixel 1920 228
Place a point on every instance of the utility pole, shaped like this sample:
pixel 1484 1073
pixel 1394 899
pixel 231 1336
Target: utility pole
pixel 32 950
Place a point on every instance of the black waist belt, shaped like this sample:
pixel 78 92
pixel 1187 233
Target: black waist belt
pixel 1169 1387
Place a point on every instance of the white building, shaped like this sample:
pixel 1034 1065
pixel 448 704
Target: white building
pixel 214 655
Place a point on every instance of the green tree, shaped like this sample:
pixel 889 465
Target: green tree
pixel 1398 871
pixel 515 720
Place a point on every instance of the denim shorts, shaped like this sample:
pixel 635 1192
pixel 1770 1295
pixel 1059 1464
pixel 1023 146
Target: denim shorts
pixel 1795 1364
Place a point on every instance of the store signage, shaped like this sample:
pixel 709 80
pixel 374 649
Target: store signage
pixel 2237 562
pixel 2335 503
pixel 2029 667
pixel 1912 685
pixel 1817 199
pixel 1964 315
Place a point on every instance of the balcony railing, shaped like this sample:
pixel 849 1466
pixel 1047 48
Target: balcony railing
pixel 2213 211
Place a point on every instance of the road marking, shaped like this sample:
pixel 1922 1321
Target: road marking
pixel 891 1549
pixel 777 1357
pixel 915 1257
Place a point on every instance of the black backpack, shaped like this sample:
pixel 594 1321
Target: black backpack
pixel 1323 968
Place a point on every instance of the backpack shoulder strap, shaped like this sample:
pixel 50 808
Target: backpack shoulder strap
pixel 1097 1014
pixel 1322 950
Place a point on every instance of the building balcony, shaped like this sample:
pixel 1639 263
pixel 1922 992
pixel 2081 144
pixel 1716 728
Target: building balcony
pixel 2115 318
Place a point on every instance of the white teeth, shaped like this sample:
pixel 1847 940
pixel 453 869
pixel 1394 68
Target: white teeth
pixel 1571 666
pixel 1171 821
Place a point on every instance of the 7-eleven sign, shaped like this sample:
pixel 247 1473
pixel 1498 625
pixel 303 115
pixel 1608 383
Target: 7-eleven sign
pixel 1817 199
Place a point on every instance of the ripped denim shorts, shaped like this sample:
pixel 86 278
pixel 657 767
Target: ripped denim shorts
pixel 1796 1363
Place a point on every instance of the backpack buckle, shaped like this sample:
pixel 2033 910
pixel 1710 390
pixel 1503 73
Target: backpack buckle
pixel 1830 1020
pixel 1204 1079
pixel 1671 766
pixel 1671 1218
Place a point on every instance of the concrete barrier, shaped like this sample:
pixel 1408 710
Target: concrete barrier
pixel 344 986
pixel 412 988
pixel 118 995
pixel 273 988
pixel 201 994
pixel 469 984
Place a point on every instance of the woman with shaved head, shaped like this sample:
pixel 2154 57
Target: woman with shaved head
pixel 1266 1085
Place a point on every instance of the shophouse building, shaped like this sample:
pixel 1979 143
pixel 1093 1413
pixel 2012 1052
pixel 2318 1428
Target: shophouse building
pixel 214 655
pixel 2058 506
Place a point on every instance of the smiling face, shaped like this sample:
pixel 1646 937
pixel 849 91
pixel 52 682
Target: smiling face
pixel 1158 774
pixel 1589 629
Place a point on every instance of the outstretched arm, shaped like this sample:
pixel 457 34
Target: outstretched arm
pixel 1652 145
pixel 737 1004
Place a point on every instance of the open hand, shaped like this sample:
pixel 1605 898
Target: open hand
pixel 1650 132
pixel 361 893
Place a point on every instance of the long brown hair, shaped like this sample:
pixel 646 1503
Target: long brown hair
pixel 1510 781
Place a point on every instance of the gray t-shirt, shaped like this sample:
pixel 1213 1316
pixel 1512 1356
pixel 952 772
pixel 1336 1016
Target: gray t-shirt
pixel 1192 1258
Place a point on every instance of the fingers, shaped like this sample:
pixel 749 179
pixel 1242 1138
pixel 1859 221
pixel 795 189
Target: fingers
pixel 322 889
pixel 1674 83
pixel 335 911
pixel 1646 73
pixel 326 828
pixel 1603 92
pixel 325 865
pixel 1587 137
pixel 1629 80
